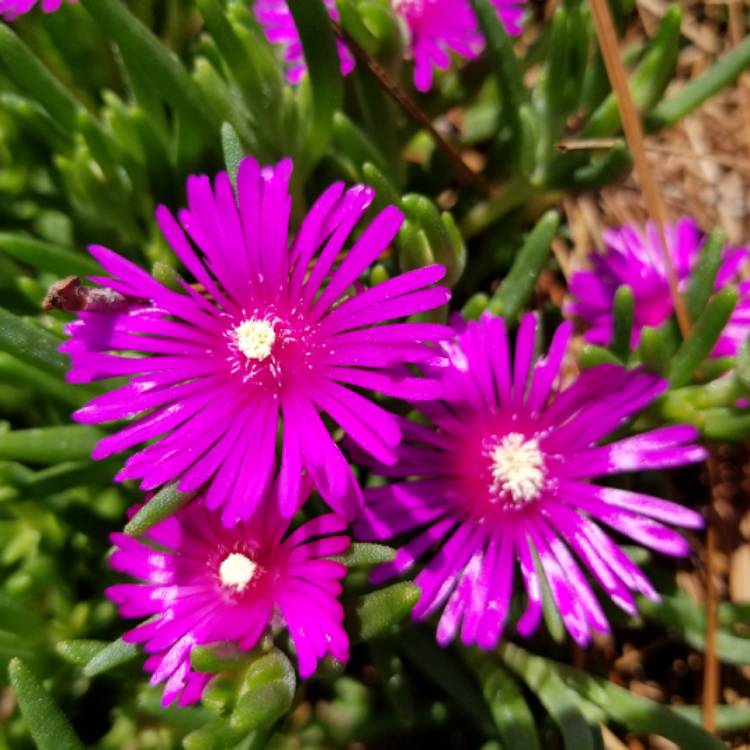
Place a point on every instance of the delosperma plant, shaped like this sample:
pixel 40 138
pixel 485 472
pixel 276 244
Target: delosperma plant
pixel 314 434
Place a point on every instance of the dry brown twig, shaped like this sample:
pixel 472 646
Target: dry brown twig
pixel 604 144
pixel 631 123
pixel 632 127
pixel 386 82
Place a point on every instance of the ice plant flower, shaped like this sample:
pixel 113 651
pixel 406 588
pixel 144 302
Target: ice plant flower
pixel 203 583
pixel 502 476
pixel 279 28
pixel 273 333
pixel 633 256
pixel 12 9
pixel 437 28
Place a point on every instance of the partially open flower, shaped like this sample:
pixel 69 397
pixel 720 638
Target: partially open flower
pixel 634 256
pixel 438 28
pixel 279 27
pixel 12 9
pixel 203 583
pixel 278 332
pixel 502 477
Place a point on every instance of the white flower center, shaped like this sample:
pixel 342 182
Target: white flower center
pixel 236 571
pixel 255 338
pixel 518 467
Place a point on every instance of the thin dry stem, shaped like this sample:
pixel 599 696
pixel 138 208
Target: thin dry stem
pixel 711 662
pixel 605 144
pixel 386 82
pixel 631 123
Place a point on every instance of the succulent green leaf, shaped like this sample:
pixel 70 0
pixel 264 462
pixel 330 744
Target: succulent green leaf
pixel 262 706
pixel 703 277
pixel 376 614
pixel 394 676
pixel 562 704
pixel 233 152
pixel 623 322
pixel 216 735
pixel 14 370
pixel 80 651
pixel 146 55
pixel 475 306
pixel 621 705
pixel 593 355
pixel 725 424
pixel 515 291
pixel 728 718
pixel 648 81
pixel 385 192
pixel 507 71
pixel 361 553
pixel 551 104
pixel 46 256
pixel 693 93
pixel 485 213
pixel 48 725
pixel 33 118
pixel 321 56
pixel 352 142
pixel 112 655
pixel 31 343
pixel 742 367
pixel 702 339
pixel 163 504
pixel 447 671
pixel 513 718
pixel 656 347
pixel 446 245
pixel 687 617
pixel 50 445
pixel 217 657
pixel 603 170
pixel 414 249
pixel 35 80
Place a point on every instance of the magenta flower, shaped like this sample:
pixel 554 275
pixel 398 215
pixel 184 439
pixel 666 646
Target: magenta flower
pixel 279 332
pixel 502 475
pixel 278 26
pixel 437 28
pixel 634 257
pixel 203 583
pixel 12 9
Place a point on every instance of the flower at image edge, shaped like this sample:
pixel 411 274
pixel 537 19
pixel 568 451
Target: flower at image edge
pixel 279 28
pixel 12 9
pixel 208 584
pixel 437 28
pixel 272 334
pixel 502 476
pixel 633 256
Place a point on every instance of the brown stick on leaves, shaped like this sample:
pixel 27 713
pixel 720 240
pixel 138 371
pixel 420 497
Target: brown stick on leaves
pixel 631 124
pixel 711 662
pixel 464 171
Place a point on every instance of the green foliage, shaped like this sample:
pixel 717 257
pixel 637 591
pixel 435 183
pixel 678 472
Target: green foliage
pixel 49 727
pixel 101 124
pixel 377 613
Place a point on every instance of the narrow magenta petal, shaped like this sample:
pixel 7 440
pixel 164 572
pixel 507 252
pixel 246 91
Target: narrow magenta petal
pixel 633 255
pixel 225 585
pixel 497 474
pixel 259 320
